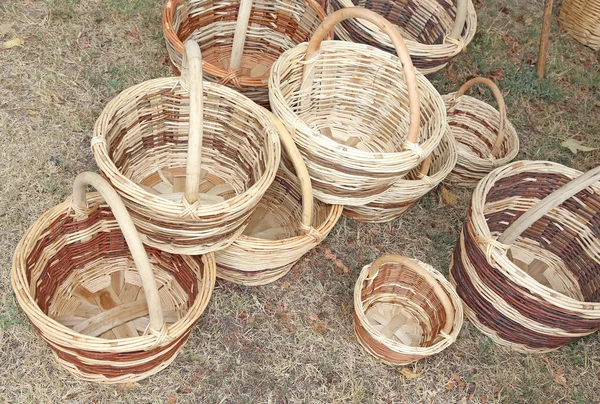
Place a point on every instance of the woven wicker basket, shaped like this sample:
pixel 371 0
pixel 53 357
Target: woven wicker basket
pixel 286 224
pixel 435 30
pixel 360 120
pixel 538 289
pixel 406 192
pixel 405 310
pixel 581 19
pixel 240 39
pixel 110 313
pixel 485 137
pixel 141 145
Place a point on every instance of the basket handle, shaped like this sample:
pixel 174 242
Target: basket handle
pixel 461 18
pixel 79 201
pixel 413 266
pixel 191 73
pixel 409 73
pixel 501 106
pixel 239 36
pixel 551 201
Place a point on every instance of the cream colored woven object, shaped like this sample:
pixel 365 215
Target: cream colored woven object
pixel 485 137
pixel 406 192
pixel 405 310
pixel 435 30
pixel 286 224
pixel 191 164
pixel 581 19
pixel 111 310
pixel 361 117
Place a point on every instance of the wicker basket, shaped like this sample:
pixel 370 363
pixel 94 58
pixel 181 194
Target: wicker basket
pixel 141 145
pixel 110 313
pixel 404 310
pixel 485 137
pixel 581 19
pixel 240 39
pixel 406 192
pixel 286 224
pixel 435 30
pixel 538 289
pixel 359 121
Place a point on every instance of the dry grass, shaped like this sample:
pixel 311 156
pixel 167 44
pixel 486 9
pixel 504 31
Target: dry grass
pixel 278 343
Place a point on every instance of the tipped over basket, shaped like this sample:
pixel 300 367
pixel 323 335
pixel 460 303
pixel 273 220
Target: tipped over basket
pixel 435 30
pixel 361 117
pixel 111 311
pixel 485 137
pixel 405 310
pixel 190 163
pixel 527 264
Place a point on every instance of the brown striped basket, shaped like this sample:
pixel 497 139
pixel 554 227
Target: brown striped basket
pixel 435 30
pixel 581 19
pixel 191 159
pixel 286 224
pixel 240 39
pixel 527 264
pixel 405 310
pixel 111 311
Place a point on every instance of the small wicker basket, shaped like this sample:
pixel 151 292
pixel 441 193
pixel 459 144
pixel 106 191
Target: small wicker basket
pixel 240 39
pixel 527 265
pixel 149 142
pixel 286 224
pixel 111 311
pixel 435 30
pixel 581 19
pixel 406 192
pixel 360 121
pixel 485 137
pixel 405 310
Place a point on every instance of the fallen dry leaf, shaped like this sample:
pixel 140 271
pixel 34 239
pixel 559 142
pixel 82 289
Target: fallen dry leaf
pixel 454 381
pixel 6 29
pixel 171 399
pixel 126 386
pixel 448 197
pixel 329 255
pixel 575 145
pixel 561 378
pixel 11 43
pixel 340 264
pixel 409 374
pixel 285 285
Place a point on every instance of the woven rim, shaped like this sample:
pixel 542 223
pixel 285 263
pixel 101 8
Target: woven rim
pixel 581 19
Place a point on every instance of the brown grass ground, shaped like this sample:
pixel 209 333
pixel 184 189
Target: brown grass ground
pixel 276 343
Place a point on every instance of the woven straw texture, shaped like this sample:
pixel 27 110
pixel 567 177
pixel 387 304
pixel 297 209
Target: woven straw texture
pixel 141 146
pixel 425 24
pixel 75 279
pixel 581 19
pixel 351 121
pixel 405 310
pixel 406 192
pixel 274 26
pixel 543 290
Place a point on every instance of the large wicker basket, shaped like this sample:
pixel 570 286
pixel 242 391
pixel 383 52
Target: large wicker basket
pixel 485 137
pixel 405 310
pixel 581 19
pixel 111 311
pixel 240 39
pixel 150 140
pixel 526 266
pixel 407 191
pixel 361 117
pixel 286 224
pixel 435 30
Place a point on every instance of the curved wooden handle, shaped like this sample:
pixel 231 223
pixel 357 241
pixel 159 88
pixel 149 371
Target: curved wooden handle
pixel 415 267
pixel 501 106
pixel 547 204
pixel 299 166
pixel 131 235
pixel 191 72
pixel 401 50
pixel 239 36
pixel 461 17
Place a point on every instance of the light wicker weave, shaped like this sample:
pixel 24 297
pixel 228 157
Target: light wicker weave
pixel 141 145
pixel 286 224
pixel 435 30
pixel 110 313
pixel 407 191
pixel 485 137
pixel 405 310
pixel 359 119
pixel 581 19
pixel 240 39
pixel 538 290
